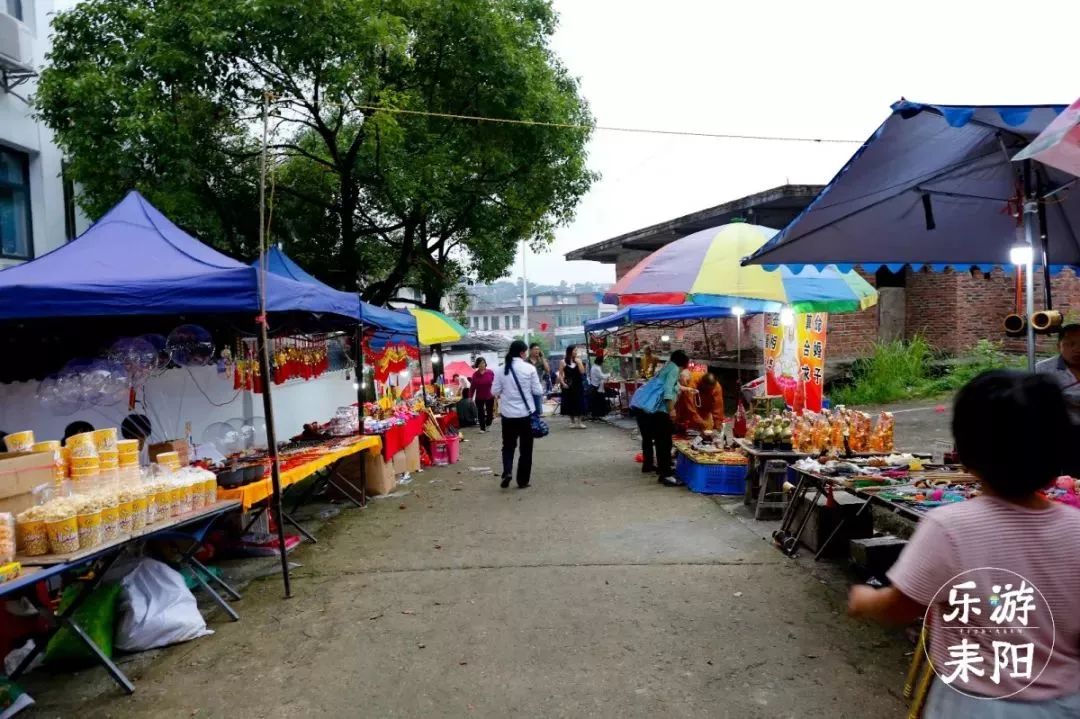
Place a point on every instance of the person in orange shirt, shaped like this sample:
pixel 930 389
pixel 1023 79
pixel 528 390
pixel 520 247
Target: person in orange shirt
pixel 701 408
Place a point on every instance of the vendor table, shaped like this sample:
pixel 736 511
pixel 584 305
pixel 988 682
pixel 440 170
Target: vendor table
pixel 401 436
pixel 870 496
pixel 757 474
pixel 251 494
pixel 94 563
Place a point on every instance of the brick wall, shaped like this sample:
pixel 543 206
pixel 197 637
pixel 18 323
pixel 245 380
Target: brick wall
pixel 626 261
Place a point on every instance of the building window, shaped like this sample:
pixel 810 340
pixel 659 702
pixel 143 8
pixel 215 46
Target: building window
pixel 486 321
pixel 517 322
pixel 495 322
pixel 14 9
pixel 15 238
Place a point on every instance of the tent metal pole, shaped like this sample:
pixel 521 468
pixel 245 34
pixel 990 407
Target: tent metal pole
pixel 360 375
pixel 1044 237
pixel 633 351
pixel 708 343
pixel 271 441
pixel 1030 204
pixel 420 359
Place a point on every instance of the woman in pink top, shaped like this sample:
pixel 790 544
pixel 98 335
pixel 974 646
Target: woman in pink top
pixel 994 576
pixel 481 387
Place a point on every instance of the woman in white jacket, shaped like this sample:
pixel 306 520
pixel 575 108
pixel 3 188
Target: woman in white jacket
pixel 518 388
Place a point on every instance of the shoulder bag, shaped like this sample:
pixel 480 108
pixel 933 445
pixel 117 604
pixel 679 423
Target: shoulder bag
pixel 538 426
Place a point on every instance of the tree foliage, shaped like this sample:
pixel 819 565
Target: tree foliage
pixel 166 96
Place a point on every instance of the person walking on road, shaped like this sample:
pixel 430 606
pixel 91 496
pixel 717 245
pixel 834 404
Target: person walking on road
pixel 539 361
pixel 572 382
pixel 482 380
pixel 652 405
pixel 519 392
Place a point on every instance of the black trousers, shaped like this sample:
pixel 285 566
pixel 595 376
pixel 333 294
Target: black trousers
pixel 517 434
pixel 656 430
pixel 485 412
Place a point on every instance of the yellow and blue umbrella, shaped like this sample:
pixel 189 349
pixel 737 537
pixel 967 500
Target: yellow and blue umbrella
pixel 434 328
pixel 705 269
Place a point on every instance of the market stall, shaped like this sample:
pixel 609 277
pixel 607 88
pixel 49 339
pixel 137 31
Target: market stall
pixel 135 273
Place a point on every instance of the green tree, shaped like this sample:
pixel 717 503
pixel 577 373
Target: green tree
pixel 166 96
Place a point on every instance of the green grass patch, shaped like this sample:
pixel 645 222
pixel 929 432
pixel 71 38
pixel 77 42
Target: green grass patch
pixel 912 369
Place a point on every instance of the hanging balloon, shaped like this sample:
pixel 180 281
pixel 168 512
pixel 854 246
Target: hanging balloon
pixel 223 437
pixel 116 385
pixel 138 357
pixel 54 400
pixel 257 431
pixel 190 346
pixel 158 342
pixel 83 380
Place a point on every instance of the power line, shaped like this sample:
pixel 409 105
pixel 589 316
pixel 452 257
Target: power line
pixel 608 128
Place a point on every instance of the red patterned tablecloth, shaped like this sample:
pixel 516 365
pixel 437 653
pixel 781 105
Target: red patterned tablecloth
pixel 401 436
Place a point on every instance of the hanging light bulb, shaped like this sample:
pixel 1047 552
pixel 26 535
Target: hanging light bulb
pixel 355 386
pixel 738 311
pixel 787 317
pixel 1021 255
pixel 665 338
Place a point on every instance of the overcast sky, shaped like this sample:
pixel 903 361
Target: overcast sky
pixel 819 69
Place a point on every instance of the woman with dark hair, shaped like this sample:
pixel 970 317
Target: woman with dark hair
pixel 482 381
pixel 652 405
pixel 1012 432
pixel 518 389
pixel 572 381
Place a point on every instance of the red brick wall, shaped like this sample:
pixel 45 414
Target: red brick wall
pixel 626 261
pixel 851 335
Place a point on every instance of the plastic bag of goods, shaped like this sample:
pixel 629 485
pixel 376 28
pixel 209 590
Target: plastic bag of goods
pixel 156 609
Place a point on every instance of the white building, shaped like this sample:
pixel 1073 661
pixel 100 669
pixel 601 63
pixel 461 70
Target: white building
pixel 37 206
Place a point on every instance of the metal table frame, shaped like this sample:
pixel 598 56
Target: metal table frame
pixel 95 566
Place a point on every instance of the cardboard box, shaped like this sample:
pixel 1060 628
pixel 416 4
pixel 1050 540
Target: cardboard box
pixel 399 462
pixel 180 446
pixel 381 478
pixel 20 472
pixel 412 456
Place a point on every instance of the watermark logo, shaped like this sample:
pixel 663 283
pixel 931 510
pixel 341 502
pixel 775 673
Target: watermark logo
pixel 988 623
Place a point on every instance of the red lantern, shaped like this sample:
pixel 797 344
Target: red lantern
pixel 543 326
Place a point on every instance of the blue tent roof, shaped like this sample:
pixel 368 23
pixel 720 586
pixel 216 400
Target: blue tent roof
pixel 383 319
pixel 931 187
pixel 134 261
pixel 639 314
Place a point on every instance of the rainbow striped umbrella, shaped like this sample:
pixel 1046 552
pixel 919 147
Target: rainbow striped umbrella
pixel 705 269
pixel 435 328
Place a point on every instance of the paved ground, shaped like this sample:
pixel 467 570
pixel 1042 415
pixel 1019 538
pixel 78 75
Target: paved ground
pixel 595 593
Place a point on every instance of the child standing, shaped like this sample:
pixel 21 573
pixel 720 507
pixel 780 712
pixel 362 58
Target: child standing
pixel 968 561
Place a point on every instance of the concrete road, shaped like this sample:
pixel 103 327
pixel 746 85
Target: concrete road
pixel 596 592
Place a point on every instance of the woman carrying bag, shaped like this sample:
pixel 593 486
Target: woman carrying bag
pixel 518 389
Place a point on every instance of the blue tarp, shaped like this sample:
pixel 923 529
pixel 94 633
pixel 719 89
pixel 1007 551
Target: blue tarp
pixel 134 261
pixel 931 186
pixel 638 314
pixel 382 319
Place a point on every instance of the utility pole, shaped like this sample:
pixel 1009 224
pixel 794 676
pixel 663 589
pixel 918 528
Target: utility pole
pixel 525 290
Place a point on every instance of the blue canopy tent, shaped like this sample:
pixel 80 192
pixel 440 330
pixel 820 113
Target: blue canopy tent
pixel 381 319
pixel 673 316
pixel 134 261
pixel 669 315
pixel 935 186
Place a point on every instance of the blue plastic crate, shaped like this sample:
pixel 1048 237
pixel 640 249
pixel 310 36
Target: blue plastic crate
pixel 711 478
